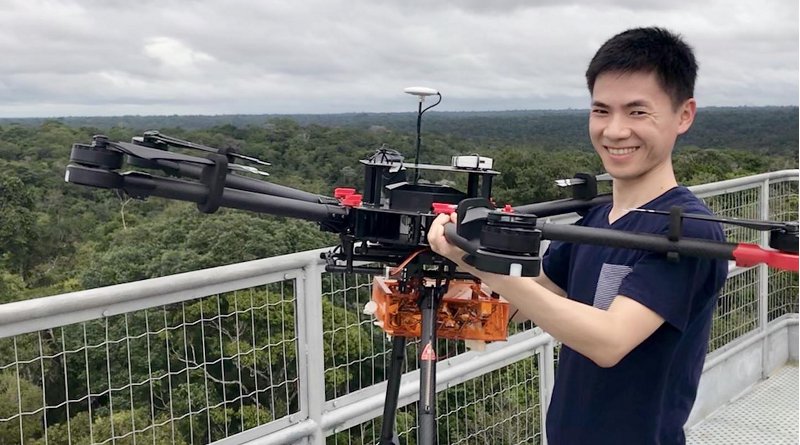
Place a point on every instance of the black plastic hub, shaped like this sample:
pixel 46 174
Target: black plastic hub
pixel 784 240
pixel 511 233
pixel 97 156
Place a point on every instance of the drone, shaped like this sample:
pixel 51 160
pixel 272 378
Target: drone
pixel 416 293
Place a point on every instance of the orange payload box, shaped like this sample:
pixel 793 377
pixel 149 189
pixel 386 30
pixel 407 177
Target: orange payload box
pixel 466 311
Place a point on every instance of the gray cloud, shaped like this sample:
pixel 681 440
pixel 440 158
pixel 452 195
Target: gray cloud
pixel 212 57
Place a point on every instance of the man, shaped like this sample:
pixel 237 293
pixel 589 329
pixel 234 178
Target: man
pixel 634 325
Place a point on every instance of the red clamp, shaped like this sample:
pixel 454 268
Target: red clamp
pixel 343 192
pixel 352 200
pixel 443 207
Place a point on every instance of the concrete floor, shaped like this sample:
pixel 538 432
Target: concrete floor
pixel 767 414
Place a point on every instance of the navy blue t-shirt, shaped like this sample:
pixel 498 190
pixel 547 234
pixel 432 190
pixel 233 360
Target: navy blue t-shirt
pixel 645 398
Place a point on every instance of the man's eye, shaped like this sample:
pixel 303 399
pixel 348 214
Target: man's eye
pixel 638 113
pixel 599 111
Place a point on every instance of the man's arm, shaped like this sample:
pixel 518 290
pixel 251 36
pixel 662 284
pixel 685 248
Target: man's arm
pixel 548 284
pixel 603 336
pixel 518 316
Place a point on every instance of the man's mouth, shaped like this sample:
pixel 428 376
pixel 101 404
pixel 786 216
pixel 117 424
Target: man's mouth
pixel 619 151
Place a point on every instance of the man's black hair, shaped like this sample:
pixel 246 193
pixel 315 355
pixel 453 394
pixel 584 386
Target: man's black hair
pixel 648 50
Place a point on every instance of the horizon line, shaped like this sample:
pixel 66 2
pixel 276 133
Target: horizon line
pixel 357 112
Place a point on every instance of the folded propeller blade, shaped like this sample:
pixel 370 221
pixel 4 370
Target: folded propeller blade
pixel 155 135
pixel 154 154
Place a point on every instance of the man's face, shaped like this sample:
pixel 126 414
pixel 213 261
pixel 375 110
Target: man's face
pixel 633 125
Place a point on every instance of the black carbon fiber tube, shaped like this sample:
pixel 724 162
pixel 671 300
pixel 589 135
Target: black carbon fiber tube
pixel 141 184
pixel 239 182
pixel 561 206
pixel 639 241
pixel 614 238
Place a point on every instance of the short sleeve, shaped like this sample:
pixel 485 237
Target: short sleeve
pixel 556 260
pixel 668 288
pixel 555 263
pixel 673 288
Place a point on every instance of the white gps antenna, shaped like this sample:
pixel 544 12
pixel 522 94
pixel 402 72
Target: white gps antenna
pixel 422 93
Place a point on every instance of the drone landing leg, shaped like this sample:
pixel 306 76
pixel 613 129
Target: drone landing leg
pixel 426 410
pixel 388 435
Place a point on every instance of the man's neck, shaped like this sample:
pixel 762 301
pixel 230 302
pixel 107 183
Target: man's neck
pixel 633 193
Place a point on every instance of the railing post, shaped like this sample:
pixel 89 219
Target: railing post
pixel 546 381
pixel 311 358
pixel 763 283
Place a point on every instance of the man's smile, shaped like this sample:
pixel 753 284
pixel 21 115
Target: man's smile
pixel 620 151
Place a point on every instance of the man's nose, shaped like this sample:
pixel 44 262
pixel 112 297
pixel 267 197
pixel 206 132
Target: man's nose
pixel 617 128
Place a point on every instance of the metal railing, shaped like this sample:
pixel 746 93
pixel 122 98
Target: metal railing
pixel 278 351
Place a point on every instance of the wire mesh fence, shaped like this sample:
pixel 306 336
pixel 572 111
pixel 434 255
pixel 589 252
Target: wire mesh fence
pixel 356 351
pixel 783 285
pixel 783 294
pixel 191 372
pixel 737 308
pixel 783 201
pixel 500 407
pixel 739 204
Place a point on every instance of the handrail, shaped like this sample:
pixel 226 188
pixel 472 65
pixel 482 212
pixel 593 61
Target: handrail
pixel 776 176
pixel 20 317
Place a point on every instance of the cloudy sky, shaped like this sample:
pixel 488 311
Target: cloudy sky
pixel 153 57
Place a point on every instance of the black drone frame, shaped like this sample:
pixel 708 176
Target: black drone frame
pixel 389 221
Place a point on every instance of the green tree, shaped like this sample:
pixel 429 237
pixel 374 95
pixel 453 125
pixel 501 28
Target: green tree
pixel 19 395
pixel 129 427
pixel 16 224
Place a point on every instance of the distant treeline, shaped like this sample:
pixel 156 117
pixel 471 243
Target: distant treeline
pixel 764 129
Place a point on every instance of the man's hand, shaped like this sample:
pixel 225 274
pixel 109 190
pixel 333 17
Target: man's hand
pixel 439 243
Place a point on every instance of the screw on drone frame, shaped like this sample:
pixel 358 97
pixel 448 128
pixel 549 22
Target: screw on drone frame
pixel 422 93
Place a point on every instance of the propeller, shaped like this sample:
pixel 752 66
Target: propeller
pixel 155 136
pixel 154 154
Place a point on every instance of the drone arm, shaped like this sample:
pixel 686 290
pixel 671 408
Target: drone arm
pixel 561 206
pixel 743 254
pixel 142 185
pixel 146 154
pixel 612 238
pixel 239 182
pixel 639 241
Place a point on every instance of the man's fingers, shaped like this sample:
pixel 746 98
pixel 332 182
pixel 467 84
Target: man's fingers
pixel 436 233
pixel 436 229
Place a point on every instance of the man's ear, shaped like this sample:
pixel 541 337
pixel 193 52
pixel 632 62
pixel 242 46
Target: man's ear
pixel 686 114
